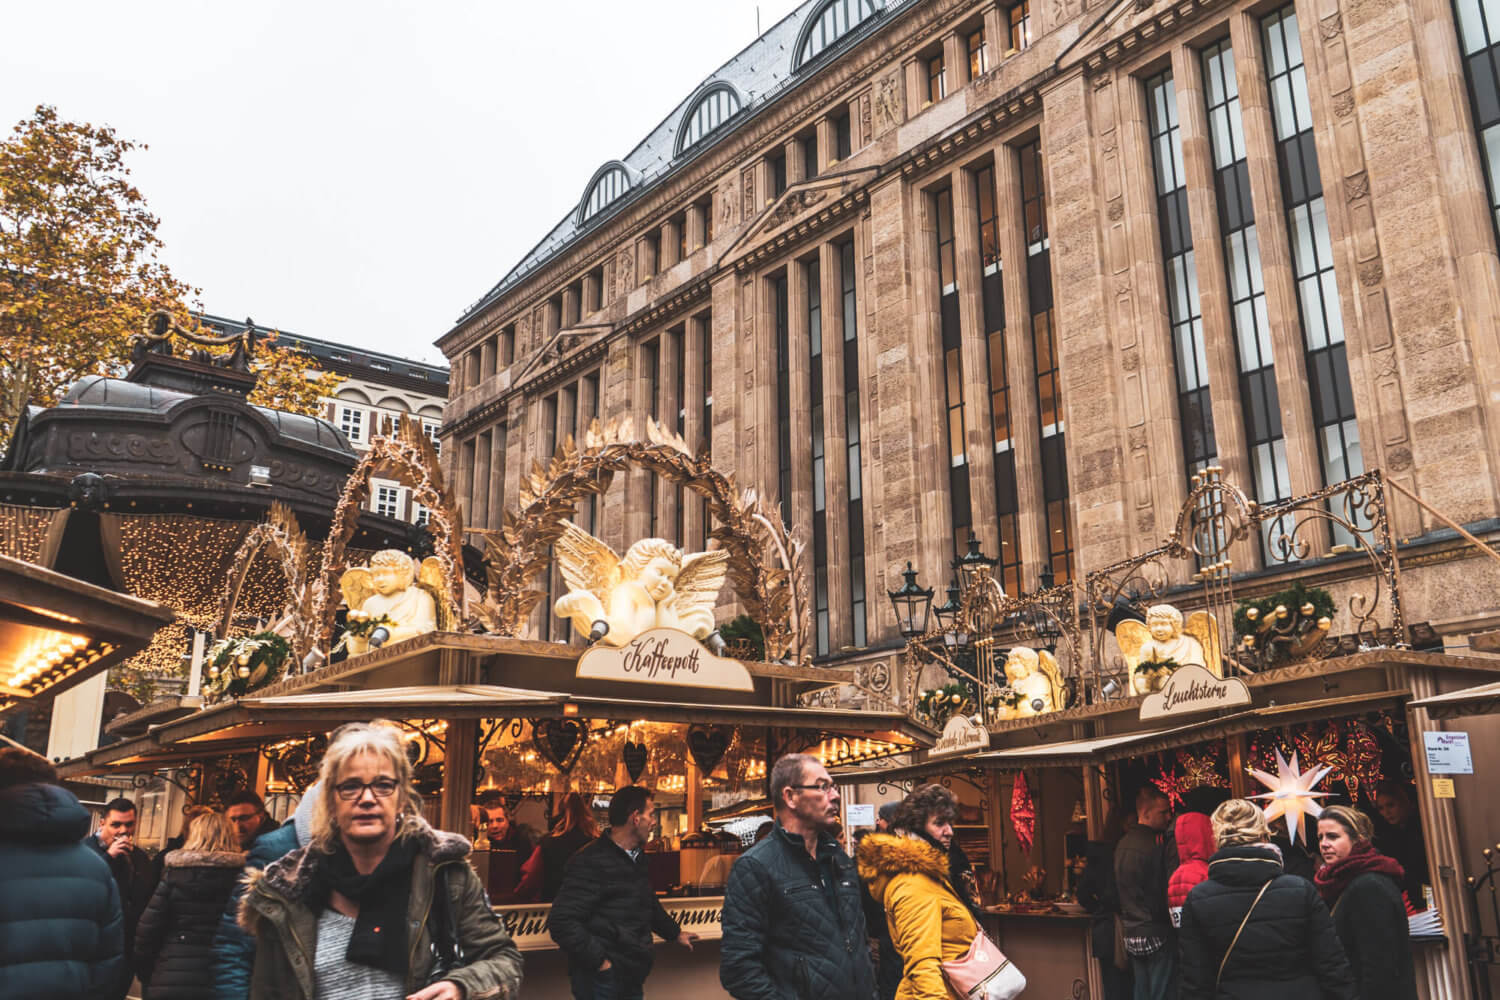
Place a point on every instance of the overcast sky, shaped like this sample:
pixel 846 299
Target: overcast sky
pixel 363 172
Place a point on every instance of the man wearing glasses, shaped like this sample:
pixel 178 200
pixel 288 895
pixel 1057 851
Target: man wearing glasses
pixel 793 923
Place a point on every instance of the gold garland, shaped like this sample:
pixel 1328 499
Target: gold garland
pixel 283 536
pixel 519 551
pixel 408 456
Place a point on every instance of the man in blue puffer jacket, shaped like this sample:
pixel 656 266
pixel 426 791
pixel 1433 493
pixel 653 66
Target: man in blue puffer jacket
pixel 234 950
pixel 63 936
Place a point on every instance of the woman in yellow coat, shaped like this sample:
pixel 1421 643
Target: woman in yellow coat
pixel 907 874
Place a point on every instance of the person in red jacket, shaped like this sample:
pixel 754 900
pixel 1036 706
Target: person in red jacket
pixel 1195 845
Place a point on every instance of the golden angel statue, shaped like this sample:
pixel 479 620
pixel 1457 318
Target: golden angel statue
pixel 612 599
pixel 1167 640
pixel 397 588
pixel 1033 675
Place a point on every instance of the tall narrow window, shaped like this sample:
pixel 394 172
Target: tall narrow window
pixel 843 136
pixel 352 422
pixel 953 370
pixel 979 54
pixel 1020 25
pixel 1194 407
pixel 651 370
pixel 783 396
pixel 706 352
pixel 1259 401
pixel 1312 253
pixel 1007 502
pixel 679 371
pixel 549 448
pixel 776 173
pixel 810 163
pixel 937 80
pixel 813 282
pixel 1053 428
pixel 849 320
pixel 1479 39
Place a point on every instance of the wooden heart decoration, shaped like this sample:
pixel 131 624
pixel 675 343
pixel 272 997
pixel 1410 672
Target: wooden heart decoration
pixel 559 741
pixel 634 755
pixel 707 746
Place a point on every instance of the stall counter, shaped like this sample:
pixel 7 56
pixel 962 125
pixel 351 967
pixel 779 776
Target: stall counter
pixel 1052 951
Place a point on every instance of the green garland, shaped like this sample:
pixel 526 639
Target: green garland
pixel 942 704
pixel 239 665
pixel 1293 598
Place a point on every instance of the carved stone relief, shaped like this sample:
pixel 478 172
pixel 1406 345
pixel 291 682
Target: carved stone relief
pixel 792 206
pixel 625 271
pixel 888 108
pixel 1370 272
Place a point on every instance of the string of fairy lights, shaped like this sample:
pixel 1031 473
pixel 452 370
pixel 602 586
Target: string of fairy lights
pixel 24 530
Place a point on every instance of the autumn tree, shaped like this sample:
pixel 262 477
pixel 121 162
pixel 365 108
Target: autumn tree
pixel 79 270
pixel 289 379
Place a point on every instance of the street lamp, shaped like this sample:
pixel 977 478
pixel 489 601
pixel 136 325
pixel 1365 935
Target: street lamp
pixel 912 604
pixel 973 565
pixel 950 619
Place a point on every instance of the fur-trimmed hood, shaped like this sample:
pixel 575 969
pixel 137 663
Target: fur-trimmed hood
pixel 883 856
pixel 204 859
pixel 290 877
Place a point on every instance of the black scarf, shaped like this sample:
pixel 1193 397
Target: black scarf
pixel 379 938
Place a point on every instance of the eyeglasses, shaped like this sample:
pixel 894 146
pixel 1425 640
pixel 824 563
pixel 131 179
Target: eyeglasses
pixel 824 786
pixel 353 789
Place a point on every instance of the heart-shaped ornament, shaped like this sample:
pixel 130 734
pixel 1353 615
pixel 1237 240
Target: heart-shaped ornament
pixel 634 755
pixel 559 741
pixel 707 746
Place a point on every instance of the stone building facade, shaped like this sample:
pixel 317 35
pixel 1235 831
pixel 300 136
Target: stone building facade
pixel 926 267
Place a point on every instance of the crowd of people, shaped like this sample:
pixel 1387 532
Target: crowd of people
pixel 1224 906
pixel 357 896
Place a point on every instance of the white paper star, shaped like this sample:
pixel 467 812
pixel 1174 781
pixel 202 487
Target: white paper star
pixel 1291 793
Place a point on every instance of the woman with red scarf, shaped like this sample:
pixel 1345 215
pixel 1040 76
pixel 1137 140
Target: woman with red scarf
pixel 1363 889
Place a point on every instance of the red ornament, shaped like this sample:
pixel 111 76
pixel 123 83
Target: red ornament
pixel 1364 770
pixel 1172 784
pixel 1022 813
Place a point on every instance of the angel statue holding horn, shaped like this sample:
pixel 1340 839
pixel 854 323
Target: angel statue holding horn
pixel 1165 642
pixel 395 587
pixel 612 599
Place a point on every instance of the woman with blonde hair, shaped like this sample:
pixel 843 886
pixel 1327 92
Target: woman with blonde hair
pixel 1252 932
pixel 174 939
pixel 1362 887
pixel 379 904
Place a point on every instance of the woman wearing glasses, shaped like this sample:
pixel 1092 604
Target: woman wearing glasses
pixel 378 899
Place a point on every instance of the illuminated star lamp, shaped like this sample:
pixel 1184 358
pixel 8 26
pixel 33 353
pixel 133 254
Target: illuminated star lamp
pixel 1291 793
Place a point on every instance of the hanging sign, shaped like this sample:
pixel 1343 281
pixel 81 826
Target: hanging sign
pixel 960 735
pixel 1192 689
pixel 1448 753
pixel 664 656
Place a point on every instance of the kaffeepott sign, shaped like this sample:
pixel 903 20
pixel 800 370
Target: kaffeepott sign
pixel 1193 689
pixel 664 656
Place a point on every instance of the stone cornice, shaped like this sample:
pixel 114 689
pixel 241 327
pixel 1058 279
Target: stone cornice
pixel 974 130
pixel 828 216
pixel 481 416
pixel 1137 37
pixel 676 302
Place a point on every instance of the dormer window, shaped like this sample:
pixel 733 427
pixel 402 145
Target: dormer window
pixel 719 103
pixel 832 21
pixel 610 183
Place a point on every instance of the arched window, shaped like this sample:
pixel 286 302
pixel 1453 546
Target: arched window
pixel 831 22
pixel 717 105
pixel 611 181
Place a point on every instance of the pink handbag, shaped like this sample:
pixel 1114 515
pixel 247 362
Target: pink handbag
pixel 984 973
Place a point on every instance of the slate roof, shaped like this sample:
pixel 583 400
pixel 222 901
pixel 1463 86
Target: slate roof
pixel 761 73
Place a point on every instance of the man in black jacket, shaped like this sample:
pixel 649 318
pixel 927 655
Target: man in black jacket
pixel 131 866
pixel 1141 880
pixel 793 923
pixel 605 911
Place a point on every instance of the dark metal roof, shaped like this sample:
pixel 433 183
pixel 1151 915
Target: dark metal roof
pixel 760 73
pixel 355 362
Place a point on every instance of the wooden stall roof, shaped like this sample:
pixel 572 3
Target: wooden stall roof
pixel 1078 752
pixel 1483 699
pixel 251 722
pixel 37 602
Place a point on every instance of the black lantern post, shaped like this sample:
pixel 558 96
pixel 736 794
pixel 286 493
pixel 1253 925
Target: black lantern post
pixel 950 619
pixel 912 604
pixel 973 565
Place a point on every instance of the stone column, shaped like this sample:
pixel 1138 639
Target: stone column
pixel 697 224
pixel 795 165
pixel 668 242
pixel 466 460
pixel 955 63
pixel 827 147
pixel 835 445
pixel 591 289
pixel 571 307
pixel 693 430
pixel 996 32
pixel 800 459
pixel 667 492
pixel 979 421
pixel 496 486
pixel 480 497
pixel 1020 368
pixel 1213 289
